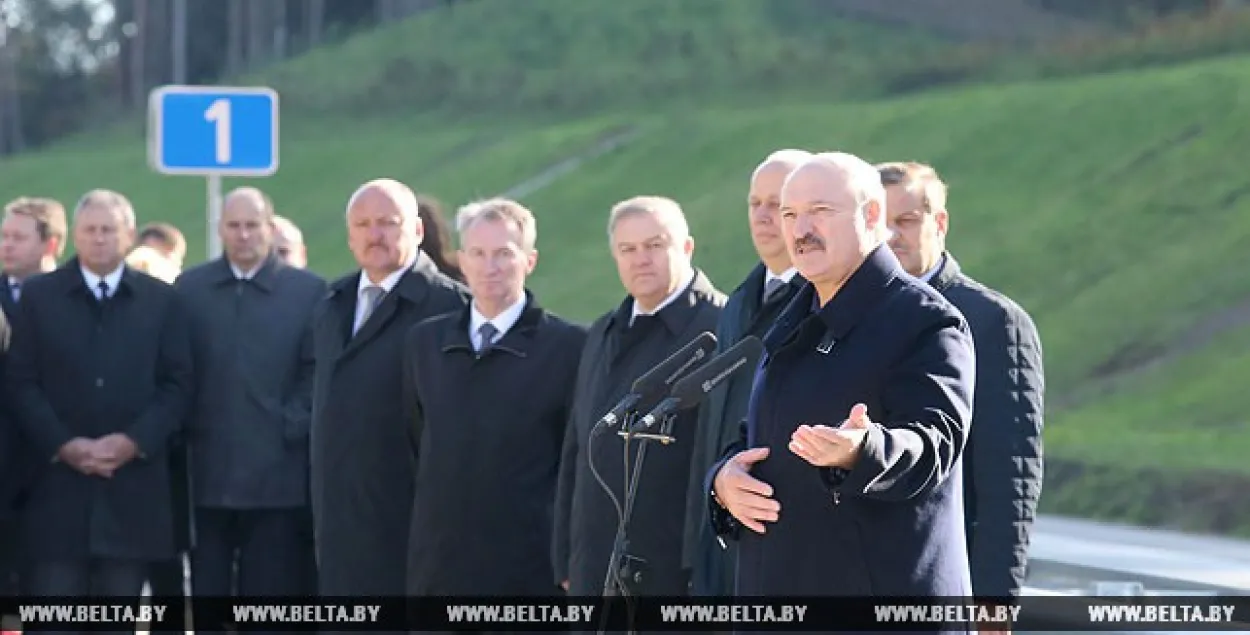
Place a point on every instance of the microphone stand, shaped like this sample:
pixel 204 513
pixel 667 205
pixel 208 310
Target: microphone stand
pixel 626 570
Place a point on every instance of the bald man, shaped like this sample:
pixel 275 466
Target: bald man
pixel 252 339
pixel 362 450
pixel 750 311
pixel 848 481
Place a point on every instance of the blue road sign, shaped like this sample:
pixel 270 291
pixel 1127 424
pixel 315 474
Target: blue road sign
pixel 213 130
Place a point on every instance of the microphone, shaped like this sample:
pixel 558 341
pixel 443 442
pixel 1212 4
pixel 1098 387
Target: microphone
pixel 656 382
pixel 694 388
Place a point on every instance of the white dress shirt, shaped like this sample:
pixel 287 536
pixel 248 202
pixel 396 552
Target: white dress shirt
pixel 388 284
pixel 502 322
pixel 672 297
pixel 240 274
pixel 93 281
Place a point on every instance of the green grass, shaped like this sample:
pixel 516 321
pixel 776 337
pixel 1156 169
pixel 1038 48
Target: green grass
pixel 495 56
pixel 1114 207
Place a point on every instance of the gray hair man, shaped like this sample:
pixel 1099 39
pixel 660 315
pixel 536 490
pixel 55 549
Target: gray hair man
pixel 848 482
pixel 750 311
pixel 252 333
pixel 100 375
pixel 1003 473
pixel 669 302
pixel 462 369
pixel 362 443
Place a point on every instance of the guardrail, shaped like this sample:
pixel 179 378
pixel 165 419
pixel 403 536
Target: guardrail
pixel 1076 558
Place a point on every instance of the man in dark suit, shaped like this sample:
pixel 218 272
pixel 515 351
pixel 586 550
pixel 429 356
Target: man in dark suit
pixel 363 453
pixel 669 303
pixel 869 504
pixel 1003 459
pixel 101 376
pixel 252 335
pixel 481 423
pixel 750 311
pixel 32 237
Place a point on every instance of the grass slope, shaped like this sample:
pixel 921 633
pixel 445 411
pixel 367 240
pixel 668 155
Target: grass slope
pixel 1105 205
pixel 502 56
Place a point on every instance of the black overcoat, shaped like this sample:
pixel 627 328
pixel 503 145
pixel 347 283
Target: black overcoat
pixel 614 356
pixel 82 368
pixel 363 453
pixel 491 429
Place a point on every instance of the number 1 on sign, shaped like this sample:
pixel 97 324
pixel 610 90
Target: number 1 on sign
pixel 219 114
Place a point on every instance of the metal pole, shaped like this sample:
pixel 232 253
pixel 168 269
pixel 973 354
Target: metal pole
pixel 179 41
pixel 214 216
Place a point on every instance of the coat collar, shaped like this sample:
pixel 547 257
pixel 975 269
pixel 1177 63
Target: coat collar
pixel 678 314
pixel 948 274
pixel 517 340
pixel 69 276
pixel 861 293
pixel 264 278
pixel 413 286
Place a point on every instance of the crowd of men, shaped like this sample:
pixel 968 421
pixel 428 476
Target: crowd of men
pixel 423 426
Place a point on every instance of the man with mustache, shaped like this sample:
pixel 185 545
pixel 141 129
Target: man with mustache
pixel 1003 465
pixel 869 503
pixel 361 445
pixel 669 303
pixel 750 311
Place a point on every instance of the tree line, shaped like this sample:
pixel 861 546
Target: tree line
pixel 67 64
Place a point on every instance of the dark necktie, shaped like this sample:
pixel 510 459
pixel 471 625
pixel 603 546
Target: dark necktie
pixel 15 289
pixel 772 288
pixel 104 290
pixel 487 332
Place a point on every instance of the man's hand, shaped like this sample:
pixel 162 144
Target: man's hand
pixel 823 446
pixel 110 453
pixel 748 499
pixel 76 453
pixel 565 585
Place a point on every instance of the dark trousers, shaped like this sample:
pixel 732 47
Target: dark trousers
pixel 253 552
pixel 96 577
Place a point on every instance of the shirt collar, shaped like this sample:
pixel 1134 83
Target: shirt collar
pixel 112 279
pixel 388 283
pixel 785 276
pixel 686 280
pixel 502 322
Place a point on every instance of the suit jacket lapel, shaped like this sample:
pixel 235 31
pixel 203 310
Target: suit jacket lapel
pixel 372 326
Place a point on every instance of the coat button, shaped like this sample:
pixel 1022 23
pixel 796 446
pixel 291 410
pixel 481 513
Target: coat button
pixel 99 382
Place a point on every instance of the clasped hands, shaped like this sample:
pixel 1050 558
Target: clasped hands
pixel 98 457
pixel 750 500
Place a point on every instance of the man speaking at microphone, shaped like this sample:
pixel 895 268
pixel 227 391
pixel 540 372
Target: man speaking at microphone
pixel 669 304
pixel 848 483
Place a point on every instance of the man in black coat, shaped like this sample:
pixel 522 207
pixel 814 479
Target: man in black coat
pixel 101 375
pixel 363 453
pixel 865 503
pixel 670 303
pixel 252 335
pixel 32 237
pixel 490 438
pixel 750 311
pixel 1003 460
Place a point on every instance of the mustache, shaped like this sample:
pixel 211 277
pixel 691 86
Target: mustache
pixel 809 240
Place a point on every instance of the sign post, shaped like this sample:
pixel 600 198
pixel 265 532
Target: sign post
pixel 214 132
